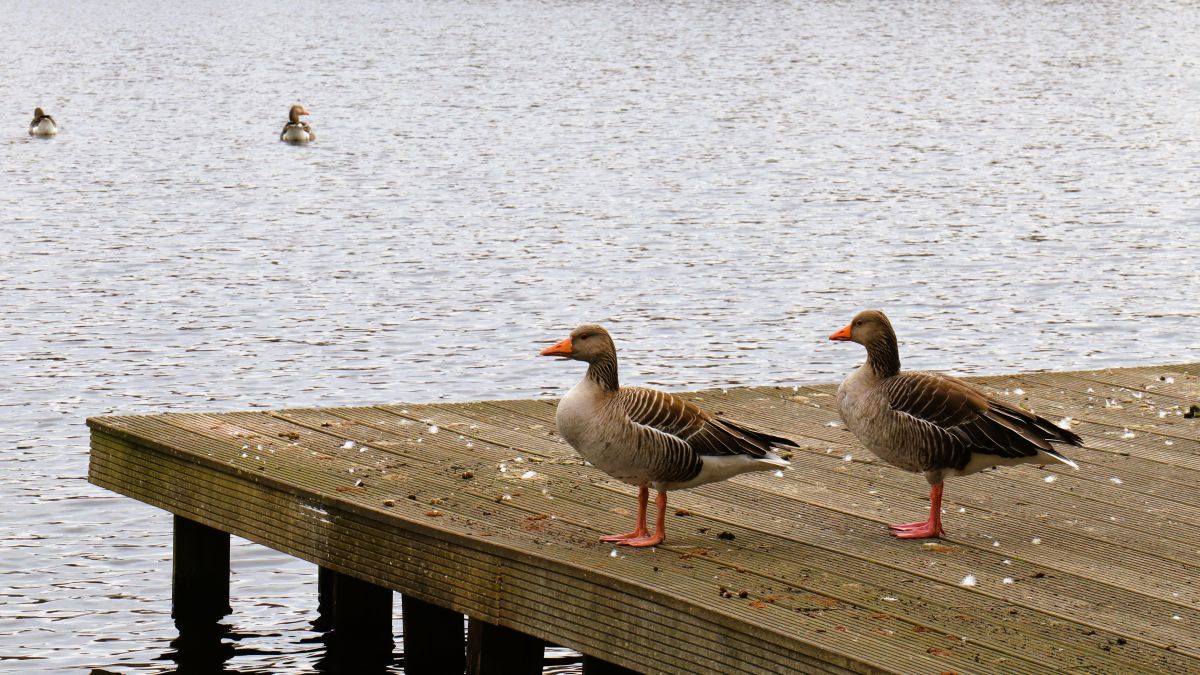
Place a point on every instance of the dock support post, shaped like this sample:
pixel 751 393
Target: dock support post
pixel 199 574
pixel 594 666
pixel 495 650
pixel 325 588
pixel 433 638
pixel 362 611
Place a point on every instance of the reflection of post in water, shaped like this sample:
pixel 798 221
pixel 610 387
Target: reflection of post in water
pixel 201 649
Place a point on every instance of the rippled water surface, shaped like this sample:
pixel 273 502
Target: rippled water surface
pixel 722 184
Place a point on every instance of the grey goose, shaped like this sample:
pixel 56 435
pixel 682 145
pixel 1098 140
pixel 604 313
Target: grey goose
pixel 295 131
pixel 42 124
pixel 650 438
pixel 935 424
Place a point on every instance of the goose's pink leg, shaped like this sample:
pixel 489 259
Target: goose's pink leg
pixel 660 525
pixel 929 528
pixel 639 532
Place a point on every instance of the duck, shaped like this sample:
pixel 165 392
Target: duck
pixel 649 438
pixel 935 424
pixel 42 124
pixel 295 131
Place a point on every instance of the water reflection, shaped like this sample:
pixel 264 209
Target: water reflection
pixel 202 649
pixel 347 654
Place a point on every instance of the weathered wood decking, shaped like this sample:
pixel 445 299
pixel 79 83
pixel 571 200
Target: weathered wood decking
pixel 479 507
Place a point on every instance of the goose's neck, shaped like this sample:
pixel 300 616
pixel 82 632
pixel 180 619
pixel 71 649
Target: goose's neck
pixel 883 355
pixel 603 371
pixel 293 117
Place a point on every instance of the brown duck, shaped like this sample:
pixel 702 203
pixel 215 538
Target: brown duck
pixel 650 438
pixel 295 131
pixel 42 124
pixel 935 424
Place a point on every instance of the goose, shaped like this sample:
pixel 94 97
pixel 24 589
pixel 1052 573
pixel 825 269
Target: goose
pixel 42 124
pixel 650 438
pixel 295 131
pixel 934 424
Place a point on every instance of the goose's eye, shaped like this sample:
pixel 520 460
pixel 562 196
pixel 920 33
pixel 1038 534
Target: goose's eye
pixel 585 336
pixel 858 323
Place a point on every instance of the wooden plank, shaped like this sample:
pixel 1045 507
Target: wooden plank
pixel 596 666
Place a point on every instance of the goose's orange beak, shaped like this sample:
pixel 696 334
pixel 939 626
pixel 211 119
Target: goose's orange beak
pixel 561 349
pixel 842 335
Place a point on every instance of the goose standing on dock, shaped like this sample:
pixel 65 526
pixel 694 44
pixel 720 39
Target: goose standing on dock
pixel 295 131
pixel 650 438
pixel 42 124
pixel 934 424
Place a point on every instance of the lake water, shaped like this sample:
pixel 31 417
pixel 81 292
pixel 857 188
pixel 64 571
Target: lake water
pixel 722 184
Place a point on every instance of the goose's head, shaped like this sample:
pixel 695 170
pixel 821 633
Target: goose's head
pixel 38 114
pixel 295 113
pixel 587 343
pixel 868 327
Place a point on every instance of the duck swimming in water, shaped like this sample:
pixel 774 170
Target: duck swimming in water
pixel 295 131
pixel 42 124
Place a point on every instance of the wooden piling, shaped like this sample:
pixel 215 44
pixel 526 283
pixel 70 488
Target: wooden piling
pixel 325 603
pixel 362 611
pixel 496 650
pixel 199 574
pixel 433 638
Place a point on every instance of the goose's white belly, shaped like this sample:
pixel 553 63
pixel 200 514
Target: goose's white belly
pixel 44 128
pixel 713 469
pixel 583 422
pixel 295 135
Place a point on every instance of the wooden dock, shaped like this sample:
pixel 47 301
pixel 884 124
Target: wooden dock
pixel 480 509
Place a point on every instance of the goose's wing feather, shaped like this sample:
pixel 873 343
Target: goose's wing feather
pixel 960 420
pixel 703 433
